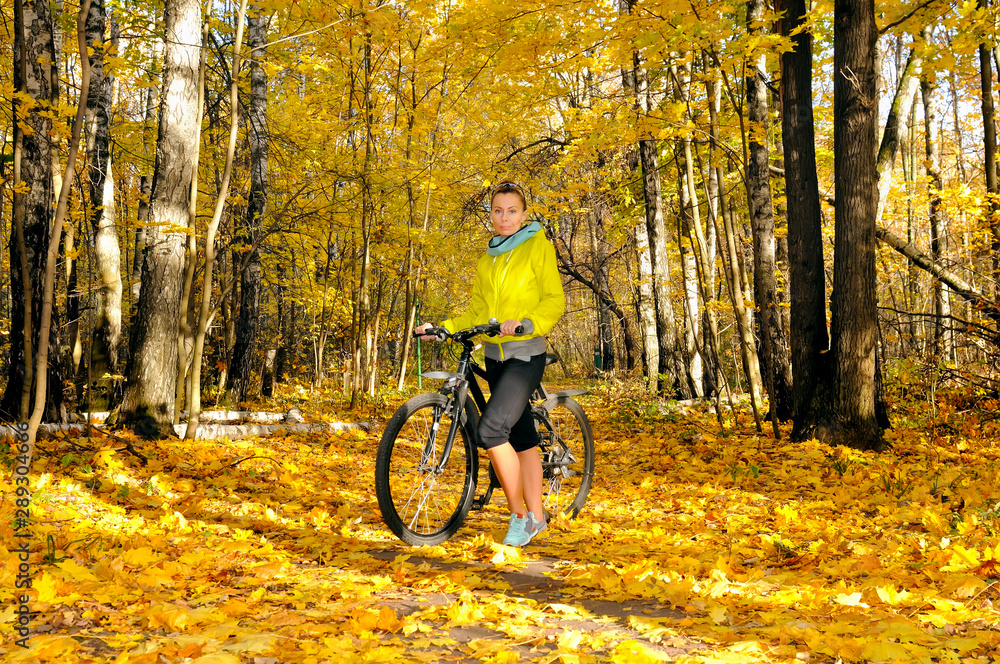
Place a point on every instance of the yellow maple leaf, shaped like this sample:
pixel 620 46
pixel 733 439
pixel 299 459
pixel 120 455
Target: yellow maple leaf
pixel 961 559
pixel 570 639
pixel 505 555
pixel 167 615
pixel 787 513
pixel 464 613
pixel 890 595
pixel 854 599
pixel 234 607
pixel 388 621
pixel 106 457
pixel 140 556
pixel 218 658
pixel 47 587
pixel 879 650
pixel 251 643
pixel 55 648
pixel 632 652
pixel 76 571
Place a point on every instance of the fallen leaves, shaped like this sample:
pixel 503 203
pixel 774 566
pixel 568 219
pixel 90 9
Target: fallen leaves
pixel 697 544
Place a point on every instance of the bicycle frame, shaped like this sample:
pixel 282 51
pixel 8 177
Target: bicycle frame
pixel 457 388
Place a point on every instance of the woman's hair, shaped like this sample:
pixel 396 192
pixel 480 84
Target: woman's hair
pixel 508 187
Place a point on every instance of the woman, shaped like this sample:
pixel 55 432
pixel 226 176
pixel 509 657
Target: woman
pixel 517 282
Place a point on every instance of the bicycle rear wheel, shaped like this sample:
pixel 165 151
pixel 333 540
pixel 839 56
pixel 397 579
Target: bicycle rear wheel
pixel 567 448
pixel 422 506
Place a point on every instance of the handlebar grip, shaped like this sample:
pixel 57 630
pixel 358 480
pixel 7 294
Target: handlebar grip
pixel 439 332
pixel 519 329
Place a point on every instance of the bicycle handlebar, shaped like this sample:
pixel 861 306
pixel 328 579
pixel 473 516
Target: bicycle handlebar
pixel 489 329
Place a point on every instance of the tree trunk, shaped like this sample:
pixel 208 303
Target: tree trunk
pixel 704 267
pixel 145 182
pixel 602 292
pixel 689 269
pixel 895 125
pixel 34 60
pixel 744 323
pixel 908 161
pixel 73 334
pixel 776 363
pixel 943 343
pixel 52 250
pixel 854 331
pixel 646 305
pixel 282 356
pixel 185 337
pixel 103 357
pixel 809 339
pixel 670 375
pixel 990 147
pixel 194 394
pixel 148 402
pixel 414 269
pixel 599 254
pixel 248 323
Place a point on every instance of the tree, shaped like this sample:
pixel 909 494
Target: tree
pixel 776 364
pixel 943 342
pixel 103 357
pixel 248 321
pixel 990 148
pixel 194 395
pixel 808 339
pixel 854 333
pixel 670 372
pixel 148 402
pixel 34 60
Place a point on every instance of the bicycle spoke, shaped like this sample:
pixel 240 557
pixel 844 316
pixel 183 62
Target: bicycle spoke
pixel 565 461
pixel 426 497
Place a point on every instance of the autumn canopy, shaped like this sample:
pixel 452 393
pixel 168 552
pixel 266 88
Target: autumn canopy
pixel 778 230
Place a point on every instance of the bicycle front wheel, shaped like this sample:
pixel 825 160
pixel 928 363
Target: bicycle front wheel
pixel 420 502
pixel 567 445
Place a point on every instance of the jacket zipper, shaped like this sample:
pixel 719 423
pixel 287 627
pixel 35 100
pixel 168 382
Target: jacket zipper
pixel 496 290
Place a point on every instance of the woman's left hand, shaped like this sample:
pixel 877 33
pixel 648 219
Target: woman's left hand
pixel 509 327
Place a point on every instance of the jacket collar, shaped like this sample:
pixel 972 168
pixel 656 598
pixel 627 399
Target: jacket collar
pixel 500 244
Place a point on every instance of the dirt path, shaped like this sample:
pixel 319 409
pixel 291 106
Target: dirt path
pixel 557 612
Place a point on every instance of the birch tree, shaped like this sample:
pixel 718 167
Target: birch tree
pixel 775 345
pixel 103 356
pixel 148 402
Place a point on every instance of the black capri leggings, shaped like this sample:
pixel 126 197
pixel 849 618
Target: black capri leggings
pixel 508 415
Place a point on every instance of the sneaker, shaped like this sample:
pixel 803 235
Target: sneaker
pixel 523 529
pixel 536 525
pixel 519 531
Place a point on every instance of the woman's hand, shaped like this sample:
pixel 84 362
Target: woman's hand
pixel 423 327
pixel 508 328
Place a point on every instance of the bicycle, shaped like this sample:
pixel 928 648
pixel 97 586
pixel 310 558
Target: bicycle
pixel 426 483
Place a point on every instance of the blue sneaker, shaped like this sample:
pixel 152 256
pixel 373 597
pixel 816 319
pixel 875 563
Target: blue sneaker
pixel 536 525
pixel 519 532
pixel 522 529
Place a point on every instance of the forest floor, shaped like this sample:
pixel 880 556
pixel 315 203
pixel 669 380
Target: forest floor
pixel 698 544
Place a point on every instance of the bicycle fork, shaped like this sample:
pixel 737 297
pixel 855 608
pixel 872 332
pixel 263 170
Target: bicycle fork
pixel 456 403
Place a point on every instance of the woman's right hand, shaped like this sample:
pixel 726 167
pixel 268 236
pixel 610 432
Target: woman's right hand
pixel 423 327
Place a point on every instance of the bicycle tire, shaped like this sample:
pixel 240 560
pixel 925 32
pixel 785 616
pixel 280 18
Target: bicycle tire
pixel 566 477
pixel 419 507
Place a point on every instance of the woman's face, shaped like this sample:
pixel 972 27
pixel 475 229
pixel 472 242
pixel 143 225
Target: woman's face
pixel 507 213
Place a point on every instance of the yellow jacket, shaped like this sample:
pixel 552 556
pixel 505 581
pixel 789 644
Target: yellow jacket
pixel 522 284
